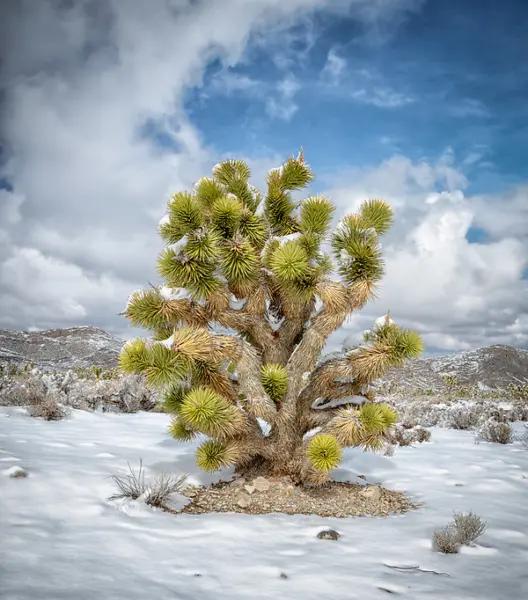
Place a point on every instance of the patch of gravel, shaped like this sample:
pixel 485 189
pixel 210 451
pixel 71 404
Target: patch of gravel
pixel 278 495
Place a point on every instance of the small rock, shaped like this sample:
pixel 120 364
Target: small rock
pixel 16 472
pixel 261 484
pixel 372 491
pixel 243 500
pixel 238 482
pixel 249 489
pixel 328 534
pixel 283 576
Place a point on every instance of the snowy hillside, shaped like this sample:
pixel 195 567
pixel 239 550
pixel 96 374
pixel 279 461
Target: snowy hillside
pixel 61 349
pixel 63 538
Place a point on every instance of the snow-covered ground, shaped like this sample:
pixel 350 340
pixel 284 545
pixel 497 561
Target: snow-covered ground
pixel 62 539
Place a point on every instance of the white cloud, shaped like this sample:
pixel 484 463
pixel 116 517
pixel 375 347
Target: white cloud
pixel 334 67
pixel 78 232
pixel 382 97
pixel 282 105
pixel 80 80
pixel 458 295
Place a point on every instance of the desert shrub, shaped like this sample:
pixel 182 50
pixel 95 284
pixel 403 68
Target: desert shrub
pixel 463 530
pixel 49 409
pixel 462 416
pixel 401 436
pixel 469 527
pixel 155 493
pixel 496 432
pixel 446 540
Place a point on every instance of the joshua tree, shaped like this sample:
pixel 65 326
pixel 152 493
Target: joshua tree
pixel 254 286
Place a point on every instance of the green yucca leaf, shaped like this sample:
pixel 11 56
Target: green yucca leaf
pixel 324 452
pixel 210 413
pixel 227 212
pixel 409 344
pixel 182 271
pixel 274 379
pixel 202 245
pixel 145 309
pixel 371 419
pixel 185 212
pixel 165 368
pixel 294 174
pixel 180 431
pixel 231 170
pixel 253 228
pixel 316 215
pixel 212 455
pixel 170 233
pixel 324 265
pixel 240 188
pixel 134 357
pixel 208 191
pixel 361 262
pixel 173 398
pixel 239 261
pixel 377 214
pixel 289 261
pixel 389 415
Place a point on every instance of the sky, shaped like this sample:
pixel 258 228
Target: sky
pixel 110 106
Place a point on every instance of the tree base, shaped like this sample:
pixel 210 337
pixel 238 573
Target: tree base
pixel 262 495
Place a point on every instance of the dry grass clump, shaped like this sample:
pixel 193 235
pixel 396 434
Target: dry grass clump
pixel 446 541
pixel 155 493
pixel 463 531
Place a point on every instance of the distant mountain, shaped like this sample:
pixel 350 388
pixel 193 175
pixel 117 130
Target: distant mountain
pixel 60 349
pixel 492 367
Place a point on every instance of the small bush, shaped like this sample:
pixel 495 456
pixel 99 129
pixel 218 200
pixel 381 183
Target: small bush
pixel 49 409
pixel 400 436
pixel 496 432
pixel 463 417
pixel 462 531
pixel 446 540
pixel 468 527
pixel 155 493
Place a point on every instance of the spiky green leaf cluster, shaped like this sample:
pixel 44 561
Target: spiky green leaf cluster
pixel 324 452
pixel 365 427
pixel 212 455
pixel 356 242
pixel 275 380
pixel 208 412
pixel 400 344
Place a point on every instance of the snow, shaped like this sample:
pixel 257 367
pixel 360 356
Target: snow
pixel 358 400
pixel 178 246
pixel 236 304
pixel 291 237
pixel 380 321
pixel 174 293
pixel 131 298
pixel 168 342
pixel 273 321
pixel 165 220
pixel 62 537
